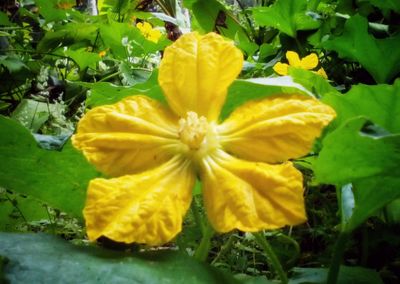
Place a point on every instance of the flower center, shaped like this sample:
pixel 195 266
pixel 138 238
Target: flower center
pixel 193 129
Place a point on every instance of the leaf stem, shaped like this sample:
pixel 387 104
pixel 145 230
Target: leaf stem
pixel 338 252
pixel 274 261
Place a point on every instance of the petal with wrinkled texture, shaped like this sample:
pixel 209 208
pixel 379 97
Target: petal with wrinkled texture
pixel 127 137
pixel 274 129
pixel 293 59
pixel 251 196
pixel 309 62
pixel 281 68
pixel 196 72
pixel 145 208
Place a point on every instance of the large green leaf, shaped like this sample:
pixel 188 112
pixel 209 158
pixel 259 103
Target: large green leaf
pixel 287 16
pixel 380 104
pixel 67 35
pixel 370 163
pixel 15 210
pixel 39 258
pixel 347 274
pixel 377 56
pixel 58 179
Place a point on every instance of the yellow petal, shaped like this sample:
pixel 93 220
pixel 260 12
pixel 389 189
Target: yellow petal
pixel 127 137
pixel 293 59
pixel 309 62
pixel 147 27
pixel 322 73
pixel 251 196
pixel 140 26
pixel 274 129
pixel 154 35
pixel 281 68
pixel 145 208
pixel 196 72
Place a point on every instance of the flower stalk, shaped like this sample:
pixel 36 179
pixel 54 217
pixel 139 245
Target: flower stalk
pixel 273 259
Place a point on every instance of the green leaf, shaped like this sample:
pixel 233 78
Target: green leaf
pixel 39 258
pixel 370 163
pixel 392 211
pixel 12 63
pixel 83 58
pixel 131 75
pixel 377 56
pixel 347 274
pixel 211 15
pixel 103 93
pixel 380 104
pixel 67 35
pixel 16 210
pixel 4 21
pixel 58 179
pixel 313 82
pixel 48 9
pixel 114 33
pixel 287 16
pixel 386 4
pixel 242 91
pixel 116 6
pixel 33 114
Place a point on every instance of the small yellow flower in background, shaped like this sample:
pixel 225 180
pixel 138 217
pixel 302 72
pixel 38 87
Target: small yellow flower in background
pixel 308 63
pixel 154 153
pixel 102 53
pixel 148 32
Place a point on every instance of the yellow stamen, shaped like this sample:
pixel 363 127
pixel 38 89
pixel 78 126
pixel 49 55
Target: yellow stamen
pixel 192 130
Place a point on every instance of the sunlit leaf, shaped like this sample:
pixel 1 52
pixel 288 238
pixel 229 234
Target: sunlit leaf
pixel 377 56
pixel 287 16
pixel 83 58
pixel 39 258
pixel 211 15
pixel 370 163
pixel 67 35
pixel 242 91
pixel 103 93
pixel 380 104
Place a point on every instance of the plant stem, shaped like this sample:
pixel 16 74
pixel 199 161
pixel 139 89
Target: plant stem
pixel 337 257
pixel 207 232
pixel 227 246
pixel 203 249
pixel 274 261
pixel 110 76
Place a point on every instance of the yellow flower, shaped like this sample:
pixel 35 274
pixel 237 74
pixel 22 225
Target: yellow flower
pixel 154 152
pixel 102 53
pixel 148 32
pixel 308 63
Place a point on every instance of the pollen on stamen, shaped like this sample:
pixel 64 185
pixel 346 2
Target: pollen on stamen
pixel 192 130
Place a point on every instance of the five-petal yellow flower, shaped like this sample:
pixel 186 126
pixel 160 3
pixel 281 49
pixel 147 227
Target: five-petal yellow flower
pixel 308 63
pixel 155 152
pixel 148 32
